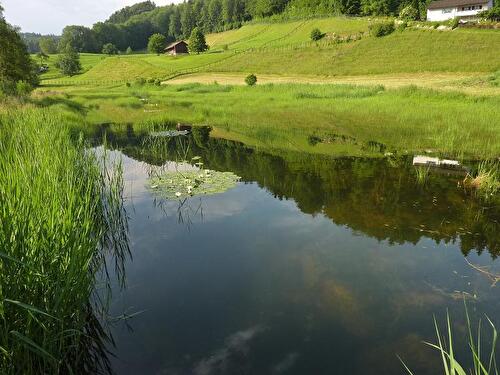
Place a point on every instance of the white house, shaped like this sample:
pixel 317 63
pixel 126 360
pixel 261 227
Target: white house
pixel 443 10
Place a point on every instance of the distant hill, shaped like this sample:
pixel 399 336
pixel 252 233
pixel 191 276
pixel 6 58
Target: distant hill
pixel 124 14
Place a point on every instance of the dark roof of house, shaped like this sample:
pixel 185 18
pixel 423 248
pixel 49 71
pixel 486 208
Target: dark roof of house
pixel 172 45
pixel 453 3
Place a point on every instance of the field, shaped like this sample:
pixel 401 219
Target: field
pixel 286 116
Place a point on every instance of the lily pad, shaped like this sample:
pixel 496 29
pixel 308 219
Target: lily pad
pixel 182 184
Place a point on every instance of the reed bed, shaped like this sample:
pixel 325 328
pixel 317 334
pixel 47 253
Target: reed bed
pixel 60 212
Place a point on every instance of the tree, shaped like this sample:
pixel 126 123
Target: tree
pixel 157 43
pixel 15 62
pixel 129 51
pixel 197 42
pixel 174 29
pixel 109 33
pixel 109 49
pixel 47 45
pixel 69 62
pixel 188 21
pixel 79 38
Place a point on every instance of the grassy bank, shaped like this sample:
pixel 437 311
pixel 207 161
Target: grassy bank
pixel 344 118
pixel 58 208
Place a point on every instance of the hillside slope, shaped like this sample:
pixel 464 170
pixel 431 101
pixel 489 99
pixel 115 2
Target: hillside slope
pixel 285 49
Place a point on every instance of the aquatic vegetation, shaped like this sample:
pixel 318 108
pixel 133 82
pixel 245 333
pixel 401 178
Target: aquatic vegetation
pixel 172 184
pixel 422 174
pixel 487 181
pixel 481 365
pixel 61 213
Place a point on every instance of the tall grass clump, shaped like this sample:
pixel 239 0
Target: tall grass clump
pixel 483 360
pixel 60 209
pixel 486 183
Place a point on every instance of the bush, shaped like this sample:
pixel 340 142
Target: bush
pixel 23 88
pixel 316 35
pixel 251 80
pixel 402 26
pixel 157 82
pixel 409 13
pixel 150 80
pixel 128 84
pixel 492 14
pixel 140 81
pixel 109 49
pixel 7 86
pixel 454 22
pixel 380 29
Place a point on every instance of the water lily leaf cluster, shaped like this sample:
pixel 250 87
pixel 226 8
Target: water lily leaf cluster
pixel 183 184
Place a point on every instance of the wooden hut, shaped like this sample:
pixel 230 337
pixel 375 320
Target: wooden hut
pixel 177 48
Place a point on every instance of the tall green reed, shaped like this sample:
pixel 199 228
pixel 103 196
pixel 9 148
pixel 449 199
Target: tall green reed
pixel 60 212
pixel 483 363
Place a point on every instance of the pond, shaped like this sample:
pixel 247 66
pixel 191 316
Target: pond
pixel 309 265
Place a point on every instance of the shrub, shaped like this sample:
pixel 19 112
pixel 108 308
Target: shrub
pixel 316 34
pixel 109 49
pixel 402 26
pixel 454 22
pixel 7 87
pixel 140 81
pixel 151 80
pixel 380 29
pixel 23 88
pixel 128 84
pixel 492 14
pixel 251 80
pixel 409 13
pixel 157 82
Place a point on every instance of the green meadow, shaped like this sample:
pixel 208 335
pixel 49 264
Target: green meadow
pixel 286 116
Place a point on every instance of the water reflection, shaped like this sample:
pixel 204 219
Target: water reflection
pixel 311 265
pixel 378 197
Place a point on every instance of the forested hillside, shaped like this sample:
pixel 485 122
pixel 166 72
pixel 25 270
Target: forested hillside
pixel 133 25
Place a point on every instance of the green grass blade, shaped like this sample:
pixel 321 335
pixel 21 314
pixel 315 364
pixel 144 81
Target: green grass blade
pixel 404 364
pixel 30 308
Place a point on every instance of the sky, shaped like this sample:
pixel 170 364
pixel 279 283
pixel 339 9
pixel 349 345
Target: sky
pixel 50 16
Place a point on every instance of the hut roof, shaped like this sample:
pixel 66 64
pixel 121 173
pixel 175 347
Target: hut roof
pixel 172 45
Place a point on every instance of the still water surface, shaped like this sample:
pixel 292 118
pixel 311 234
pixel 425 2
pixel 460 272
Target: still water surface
pixel 311 265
